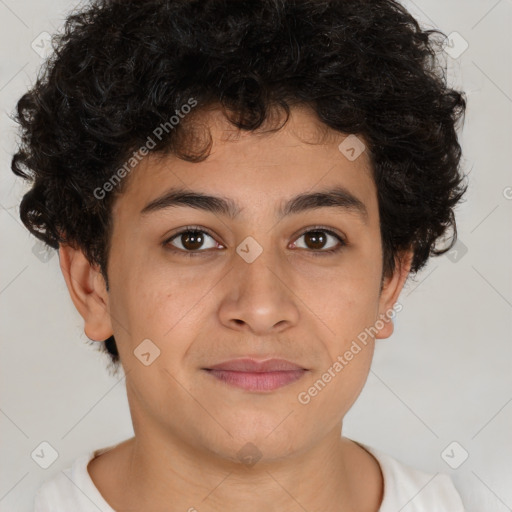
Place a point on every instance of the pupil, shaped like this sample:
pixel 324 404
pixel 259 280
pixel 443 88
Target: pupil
pixel 315 239
pixel 192 240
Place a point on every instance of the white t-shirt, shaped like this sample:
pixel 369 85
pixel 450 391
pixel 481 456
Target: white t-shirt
pixel 405 489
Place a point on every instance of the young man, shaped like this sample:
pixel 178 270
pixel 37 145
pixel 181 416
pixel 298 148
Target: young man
pixel 238 192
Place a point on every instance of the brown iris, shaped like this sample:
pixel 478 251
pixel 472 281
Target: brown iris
pixel 192 240
pixel 315 239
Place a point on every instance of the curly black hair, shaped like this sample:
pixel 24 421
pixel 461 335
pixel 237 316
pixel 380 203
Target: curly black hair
pixel 121 68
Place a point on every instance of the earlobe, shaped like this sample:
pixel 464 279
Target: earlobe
pixel 391 289
pixel 88 292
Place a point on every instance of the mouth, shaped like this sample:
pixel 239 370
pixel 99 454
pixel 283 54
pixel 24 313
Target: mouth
pixel 252 375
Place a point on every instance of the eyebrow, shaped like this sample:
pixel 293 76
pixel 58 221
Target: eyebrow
pixel 337 197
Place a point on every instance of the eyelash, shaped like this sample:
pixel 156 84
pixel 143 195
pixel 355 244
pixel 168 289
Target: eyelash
pixel 166 244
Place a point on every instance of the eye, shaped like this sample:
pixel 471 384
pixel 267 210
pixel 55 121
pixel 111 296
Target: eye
pixel 320 240
pixel 190 240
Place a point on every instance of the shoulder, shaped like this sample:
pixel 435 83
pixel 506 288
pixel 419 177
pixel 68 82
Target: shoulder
pixel 71 489
pixel 412 490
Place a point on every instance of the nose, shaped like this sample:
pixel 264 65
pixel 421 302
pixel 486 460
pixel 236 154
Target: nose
pixel 259 297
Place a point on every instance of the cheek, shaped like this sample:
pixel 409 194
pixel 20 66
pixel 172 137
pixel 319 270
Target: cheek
pixel 345 311
pixel 343 302
pixel 330 393
pixel 344 291
pixel 159 305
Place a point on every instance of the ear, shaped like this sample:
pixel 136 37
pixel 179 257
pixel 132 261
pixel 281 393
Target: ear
pixel 391 288
pixel 88 292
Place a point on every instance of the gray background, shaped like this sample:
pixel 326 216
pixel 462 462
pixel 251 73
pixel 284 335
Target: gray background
pixel 444 376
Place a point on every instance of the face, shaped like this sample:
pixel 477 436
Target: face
pixel 256 273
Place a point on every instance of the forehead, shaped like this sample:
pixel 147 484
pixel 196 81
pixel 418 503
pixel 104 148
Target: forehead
pixel 255 167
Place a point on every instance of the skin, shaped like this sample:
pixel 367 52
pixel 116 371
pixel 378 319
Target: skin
pixel 289 303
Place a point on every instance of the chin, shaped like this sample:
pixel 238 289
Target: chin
pixel 265 440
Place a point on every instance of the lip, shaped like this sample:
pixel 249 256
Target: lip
pixel 253 365
pixel 252 375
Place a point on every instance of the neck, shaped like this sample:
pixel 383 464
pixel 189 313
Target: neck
pixel 334 475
